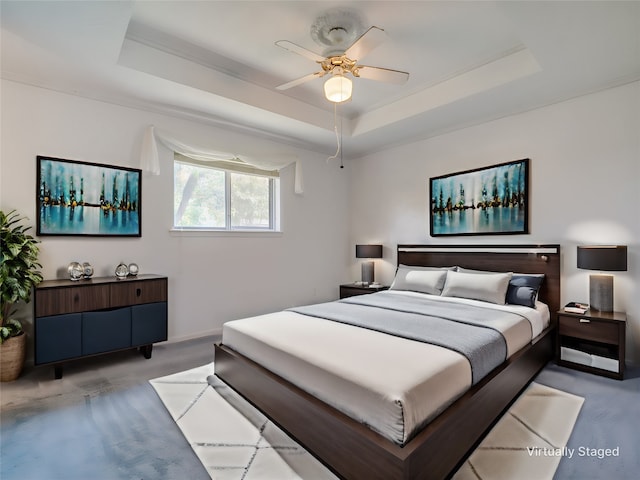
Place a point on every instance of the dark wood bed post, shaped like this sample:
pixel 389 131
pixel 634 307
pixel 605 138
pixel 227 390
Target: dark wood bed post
pixel 353 451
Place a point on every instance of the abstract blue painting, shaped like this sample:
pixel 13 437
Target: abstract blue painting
pixel 484 201
pixel 80 198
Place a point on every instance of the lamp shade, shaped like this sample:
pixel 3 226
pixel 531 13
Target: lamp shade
pixel 368 251
pixel 338 88
pixel 607 258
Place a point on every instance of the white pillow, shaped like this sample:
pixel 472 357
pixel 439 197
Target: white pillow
pixel 420 279
pixel 523 287
pixel 490 287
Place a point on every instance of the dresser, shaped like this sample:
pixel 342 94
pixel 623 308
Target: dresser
pixel 77 319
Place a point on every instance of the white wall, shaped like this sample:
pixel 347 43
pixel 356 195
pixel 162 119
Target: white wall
pixel 212 278
pixel 585 187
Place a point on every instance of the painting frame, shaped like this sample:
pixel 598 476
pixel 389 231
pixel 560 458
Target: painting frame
pixel 77 198
pixel 498 206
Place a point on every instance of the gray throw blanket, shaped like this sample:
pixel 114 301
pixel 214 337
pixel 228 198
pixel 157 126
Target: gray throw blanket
pixel 466 329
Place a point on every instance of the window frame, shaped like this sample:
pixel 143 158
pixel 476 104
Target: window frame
pixel 227 168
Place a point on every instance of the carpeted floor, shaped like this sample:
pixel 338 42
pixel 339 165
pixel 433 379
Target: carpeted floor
pixel 104 421
pixel 609 420
pixel 101 421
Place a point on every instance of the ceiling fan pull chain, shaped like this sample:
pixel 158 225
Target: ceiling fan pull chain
pixel 338 137
pixel 341 149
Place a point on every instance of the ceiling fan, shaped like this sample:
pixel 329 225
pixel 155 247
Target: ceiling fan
pixel 339 61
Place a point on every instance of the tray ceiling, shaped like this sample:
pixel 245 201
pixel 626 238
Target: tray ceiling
pixel 216 62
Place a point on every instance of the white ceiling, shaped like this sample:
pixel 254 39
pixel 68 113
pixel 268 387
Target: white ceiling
pixel 216 61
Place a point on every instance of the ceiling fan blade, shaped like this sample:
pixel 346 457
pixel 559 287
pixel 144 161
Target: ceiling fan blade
pixel 292 47
pixel 383 74
pixel 301 80
pixel 367 42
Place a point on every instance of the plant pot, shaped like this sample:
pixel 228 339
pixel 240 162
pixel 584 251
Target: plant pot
pixel 12 352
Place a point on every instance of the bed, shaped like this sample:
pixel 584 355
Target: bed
pixel 309 381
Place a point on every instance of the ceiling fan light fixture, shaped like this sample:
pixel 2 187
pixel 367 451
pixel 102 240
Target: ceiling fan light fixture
pixel 338 88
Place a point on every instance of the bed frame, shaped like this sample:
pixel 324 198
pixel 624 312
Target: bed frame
pixel 353 451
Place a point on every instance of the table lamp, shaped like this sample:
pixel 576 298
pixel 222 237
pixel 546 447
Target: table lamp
pixel 608 258
pixel 368 251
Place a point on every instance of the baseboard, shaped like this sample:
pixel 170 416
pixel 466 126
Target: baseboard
pixel 215 332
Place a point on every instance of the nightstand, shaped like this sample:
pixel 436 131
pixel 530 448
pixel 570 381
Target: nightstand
pixel 353 289
pixel 592 342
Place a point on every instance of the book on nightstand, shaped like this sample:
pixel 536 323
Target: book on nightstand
pixel 576 307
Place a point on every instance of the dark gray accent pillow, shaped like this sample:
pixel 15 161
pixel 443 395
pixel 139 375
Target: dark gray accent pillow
pixel 523 289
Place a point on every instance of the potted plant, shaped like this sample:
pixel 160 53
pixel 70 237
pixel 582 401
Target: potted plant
pixel 18 275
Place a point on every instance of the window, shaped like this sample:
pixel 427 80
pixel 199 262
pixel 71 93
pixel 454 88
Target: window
pixel 220 195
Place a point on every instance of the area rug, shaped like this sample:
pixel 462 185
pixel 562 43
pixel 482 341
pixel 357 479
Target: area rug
pixel 234 441
pixel 528 442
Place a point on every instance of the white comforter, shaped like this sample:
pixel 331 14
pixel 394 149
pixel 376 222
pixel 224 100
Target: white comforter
pixel 391 384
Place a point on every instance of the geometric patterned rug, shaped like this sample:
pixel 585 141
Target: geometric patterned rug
pixel 529 441
pixel 234 441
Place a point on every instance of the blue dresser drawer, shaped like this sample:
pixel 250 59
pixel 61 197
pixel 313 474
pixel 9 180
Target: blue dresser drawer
pixel 107 330
pixel 58 337
pixel 148 323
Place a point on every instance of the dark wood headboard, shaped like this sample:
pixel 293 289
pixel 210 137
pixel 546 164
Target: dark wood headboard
pixel 496 258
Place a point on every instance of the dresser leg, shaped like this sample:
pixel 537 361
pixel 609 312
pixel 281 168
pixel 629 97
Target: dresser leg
pixel 57 372
pixel 146 350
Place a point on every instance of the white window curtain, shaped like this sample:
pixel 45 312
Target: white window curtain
pixel 150 163
pixel 237 166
